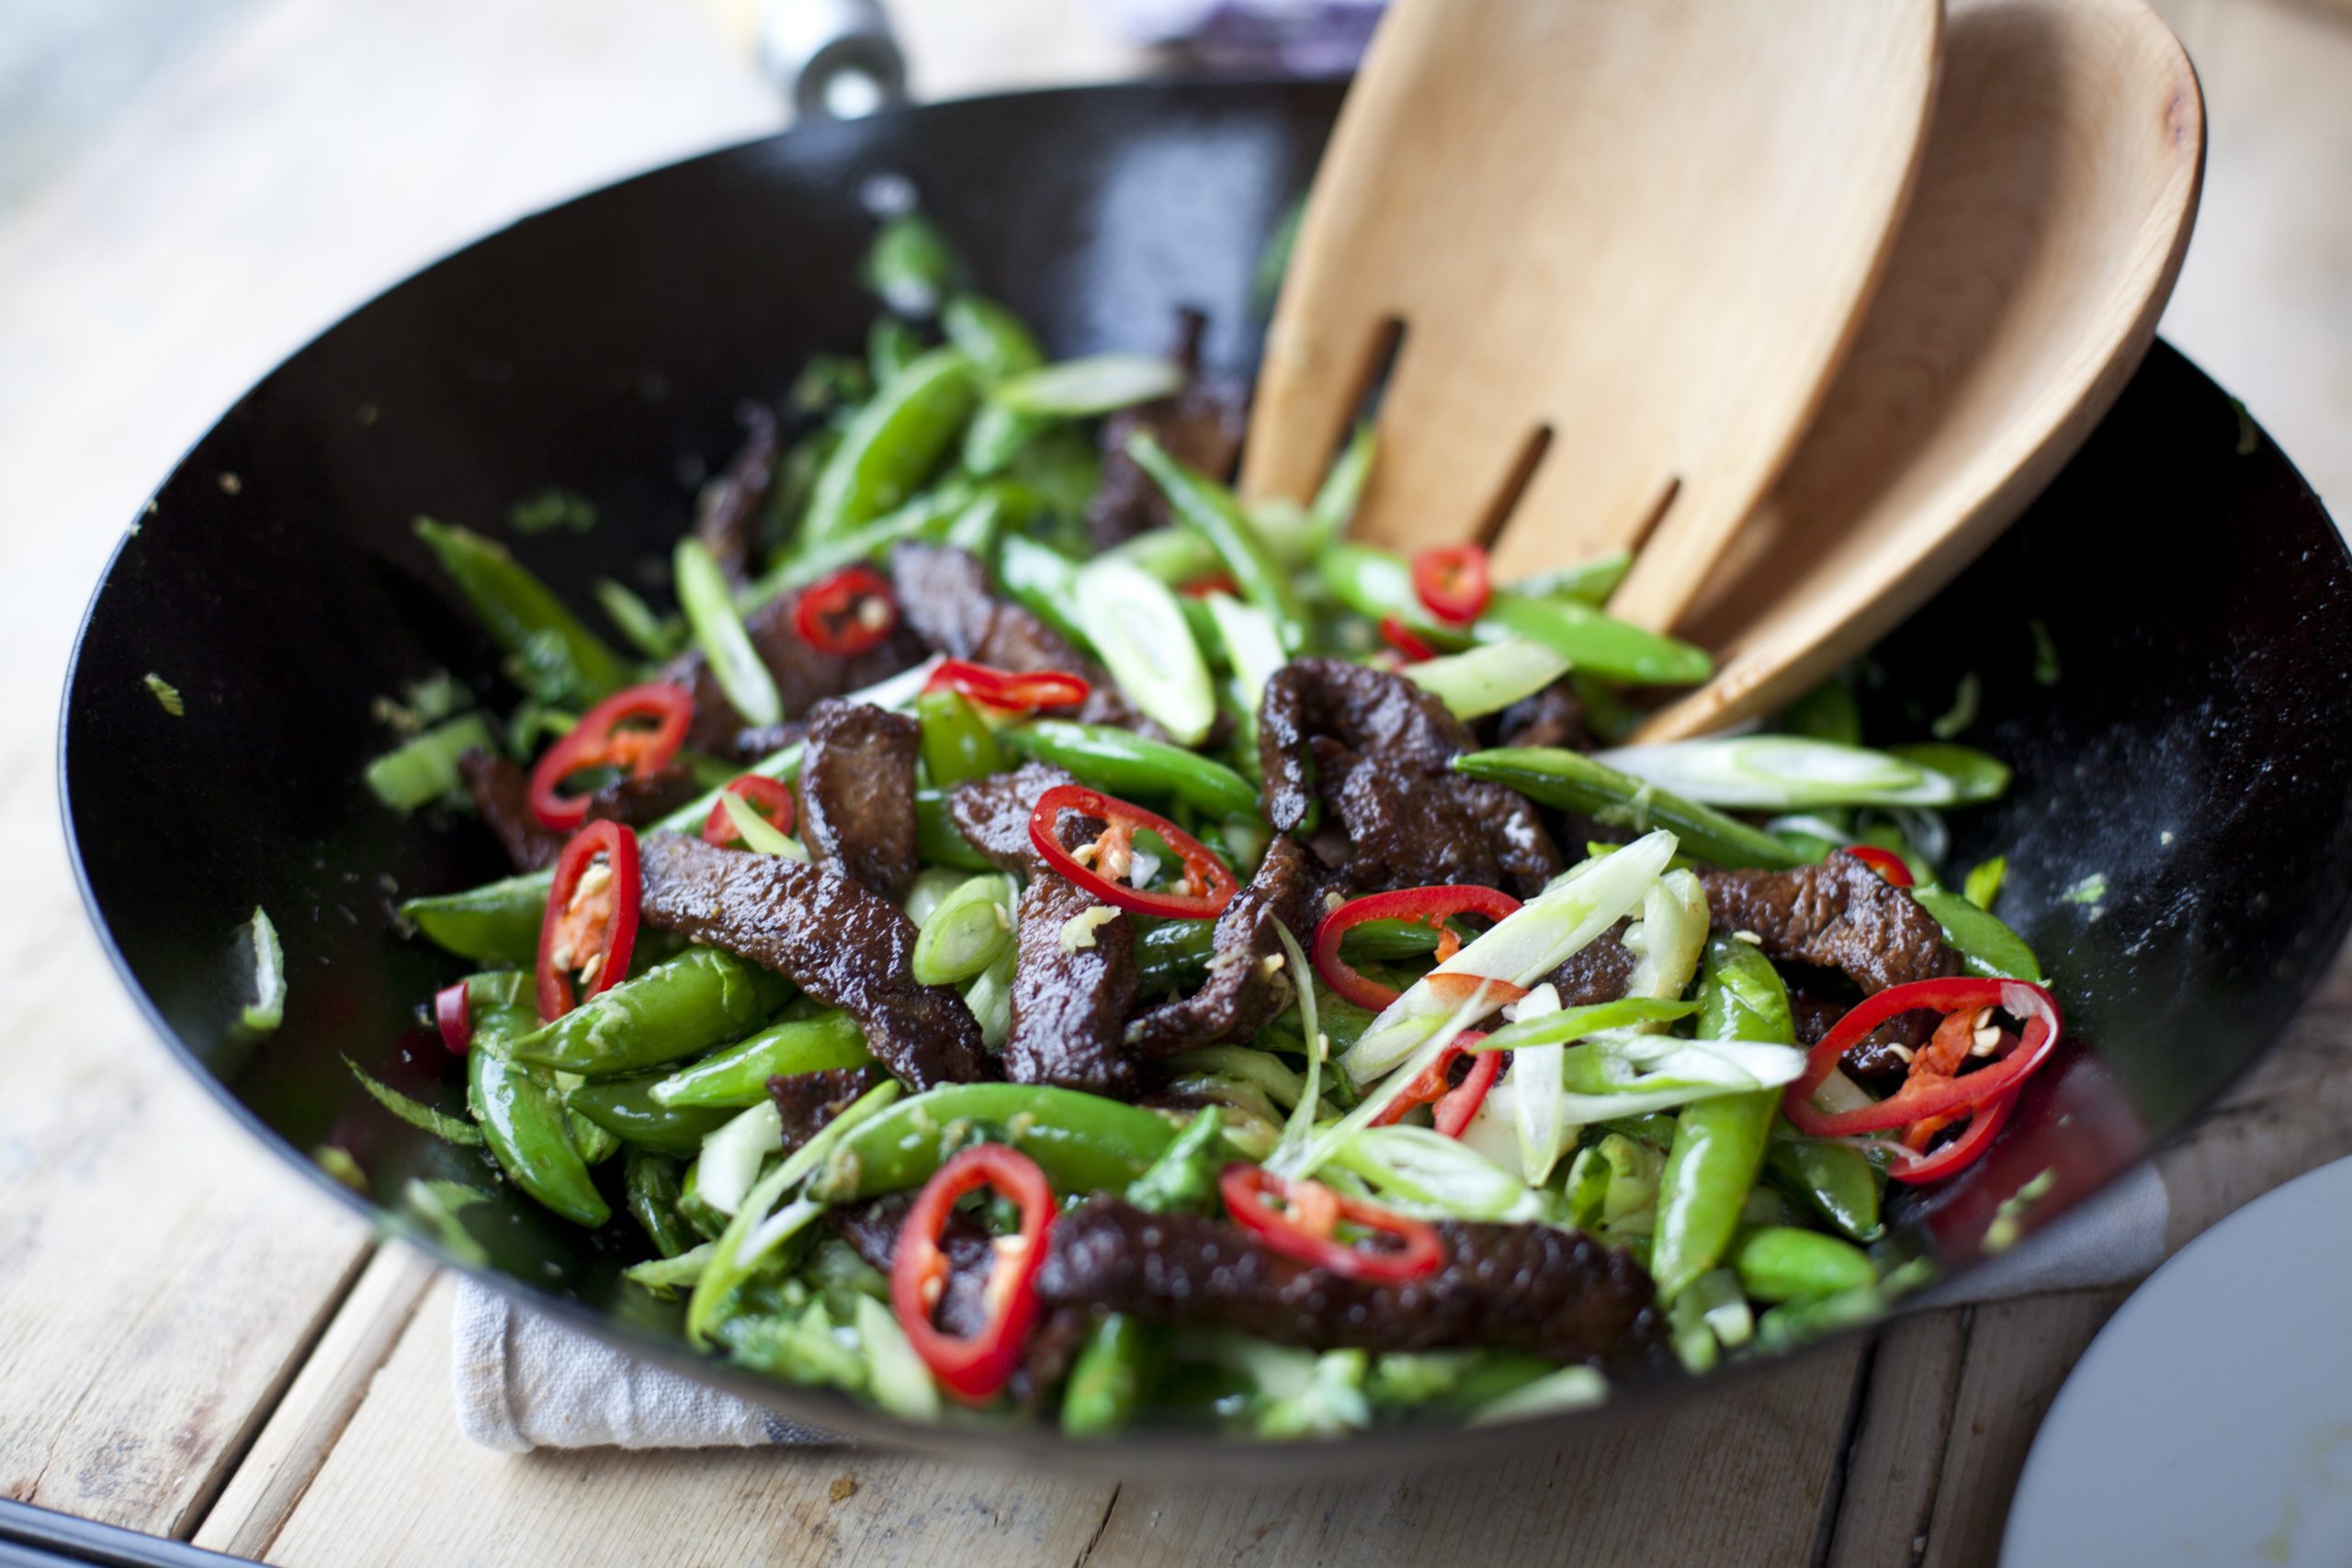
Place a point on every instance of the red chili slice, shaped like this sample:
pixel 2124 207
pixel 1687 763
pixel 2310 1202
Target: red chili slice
pixel 763 795
pixel 590 928
pixel 976 1368
pixel 1303 1223
pixel 599 741
pixel 1402 638
pixel 1928 1093
pixel 453 1011
pixel 1021 692
pixel 1984 1125
pixel 846 612
pixel 1430 904
pixel 1453 581
pixel 1886 863
pixel 1452 1104
pixel 1202 587
pixel 1208 884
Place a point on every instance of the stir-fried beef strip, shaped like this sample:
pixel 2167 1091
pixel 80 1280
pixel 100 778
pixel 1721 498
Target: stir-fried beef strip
pixel 502 794
pixel 1597 972
pixel 756 741
pixel 1372 748
pixel 727 513
pixel 871 1227
pixel 843 943
pixel 1552 716
pixel 1842 916
pixel 803 674
pixel 1200 427
pixel 808 1100
pixel 994 815
pixel 1246 984
pixel 857 795
pixel 1072 986
pixel 1552 1293
pixel 945 598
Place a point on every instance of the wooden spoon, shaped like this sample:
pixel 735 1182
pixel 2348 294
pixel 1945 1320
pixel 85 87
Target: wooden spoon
pixel 2060 184
pixel 1627 244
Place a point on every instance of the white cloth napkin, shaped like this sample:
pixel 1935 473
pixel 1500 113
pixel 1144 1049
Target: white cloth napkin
pixel 525 1382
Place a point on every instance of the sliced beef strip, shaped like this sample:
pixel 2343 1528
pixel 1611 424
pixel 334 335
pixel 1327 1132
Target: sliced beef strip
pixel 808 1100
pixel 803 675
pixel 1839 915
pixel 1374 748
pixel 1071 1005
pixel 1242 990
pixel 727 513
pixel 1552 1293
pixel 945 598
pixel 1598 972
pixel 857 795
pixel 1552 716
pixel 502 794
pixel 871 1227
pixel 1814 998
pixel 755 742
pixel 836 940
pixel 1201 427
pixel 994 815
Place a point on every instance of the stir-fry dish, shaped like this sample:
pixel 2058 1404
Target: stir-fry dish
pixel 1034 933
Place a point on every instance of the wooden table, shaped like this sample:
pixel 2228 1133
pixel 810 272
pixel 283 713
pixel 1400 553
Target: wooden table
pixel 194 1345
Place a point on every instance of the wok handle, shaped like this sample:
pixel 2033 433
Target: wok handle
pixel 834 59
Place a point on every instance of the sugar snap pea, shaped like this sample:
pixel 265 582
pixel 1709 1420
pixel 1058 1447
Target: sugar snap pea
pixel 1787 1263
pixel 1835 1179
pixel 681 1006
pixel 626 1108
pixel 894 444
pixel 738 1075
pixel 557 659
pixel 957 744
pixel 523 1120
pixel 651 1184
pixel 1083 1142
pixel 1132 766
pixel 1575 782
pixel 1208 509
pixel 1719 1143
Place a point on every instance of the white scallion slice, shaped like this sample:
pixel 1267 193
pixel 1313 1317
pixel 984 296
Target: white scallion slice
pixel 896 1376
pixel 424 1118
pixel 731 1156
pixel 1627 1074
pixel 719 631
pixel 267 1009
pixel 1135 624
pixel 1081 389
pixel 1424 1169
pixel 759 836
pixel 1251 644
pixel 1673 934
pixel 1521 948
pixel 670 1273
pixel 1535 1070
pixel 1489 678
pixel 1782 772
pixel 1570 1388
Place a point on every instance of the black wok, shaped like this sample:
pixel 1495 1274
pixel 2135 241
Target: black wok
pixel 2190 751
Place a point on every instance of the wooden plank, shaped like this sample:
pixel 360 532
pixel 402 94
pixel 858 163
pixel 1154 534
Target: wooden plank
pixel 284 1459
pixel 1895 1463
pixel 1734 1480
pixel 403 1486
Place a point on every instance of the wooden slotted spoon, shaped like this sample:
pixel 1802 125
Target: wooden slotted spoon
pixel 1628 244
pixel 2051 213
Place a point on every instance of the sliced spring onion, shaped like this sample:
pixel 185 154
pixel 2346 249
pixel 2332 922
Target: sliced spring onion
pixel 448 1128
pixel 668 1273
pixel 967 931
pixel 1334 506
pixel 420 771
pixel 1305 1161
pixel 439 1202
pixel 1613 1184
pixel 1536 1105
pixel 1252 645
pixel 1617 1075
pixel 267 1009
pixel 1593 580
pixel 1489 678
pixel 1521 948
pixel 1782 772
pixel 1301 1124
pixel 1974 775
pixel 1175 556
pixel 759 1228
pixel 896 1376
pixel 1424 1169
pixel 990 999
pixel 759 836
pixel 1139 629
pixel 1081 389
pixel 651 636
pixel 1570 1388
pixel 731 1155
pixel 1983 884
pixel 709 606
pixel 166 695
pixel 1673 933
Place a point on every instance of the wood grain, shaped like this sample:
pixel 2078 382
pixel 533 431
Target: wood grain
pixel 1646 229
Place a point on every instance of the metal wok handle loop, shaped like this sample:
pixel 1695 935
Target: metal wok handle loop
pixel 834 59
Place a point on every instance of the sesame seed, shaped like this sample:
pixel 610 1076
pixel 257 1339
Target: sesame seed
pixel 1750 938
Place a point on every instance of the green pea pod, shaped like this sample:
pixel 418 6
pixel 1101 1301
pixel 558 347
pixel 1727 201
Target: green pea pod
pixel 1175 556
pixel 1575 782
pixel 1182 1181
pixel 891 344
pixel 927 516
pixel 992 337
pixel 1172 954
pixel 421 771
pixel 626 1109
pixel 738 1075
pixel 997 437
pixel 894 444
pixel 651 1184
pixel 1334 506
pixel 1784 1263
pixel 1121 763
pixel 1045 581
pixel 937 839
pixel 494 924
pixel 1828 713
pixel 700 999
pixel 957 744
pixel 1835 1180
pixel 967 931
pixel 558 659
pixel 1084 1142
pixel 911 264
pixel 522 1118
pixel 1978 775
pixel 1106 1381
pixel 1719 1143
pixel 1208 509
pixel 1984 941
